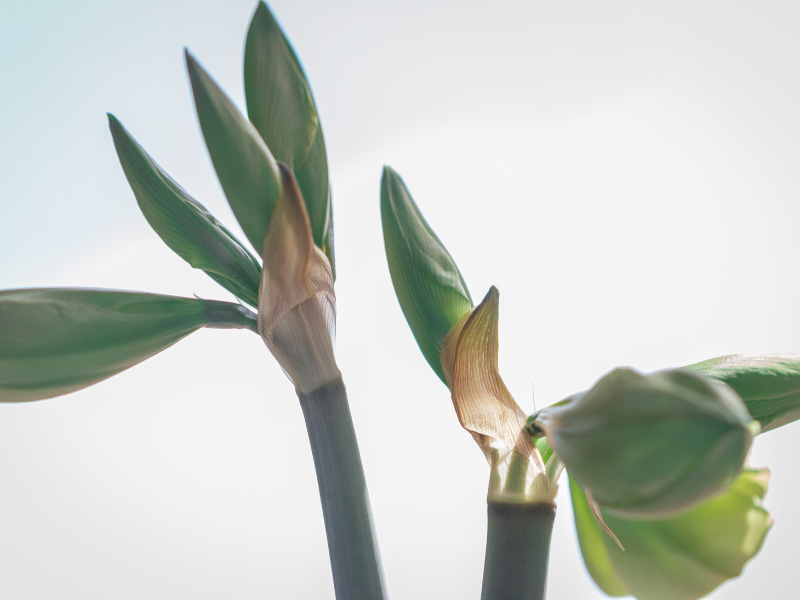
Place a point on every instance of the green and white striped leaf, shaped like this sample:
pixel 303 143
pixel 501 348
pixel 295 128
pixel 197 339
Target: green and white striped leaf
pixel 54 341
pixel 769 384
pixel 281 106
pixel 246 169
pixel 680 558
pixel 427 282
pixel 183 223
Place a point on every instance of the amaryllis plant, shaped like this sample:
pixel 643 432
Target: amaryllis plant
pixel 665 502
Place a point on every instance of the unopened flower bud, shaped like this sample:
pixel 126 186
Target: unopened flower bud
pixel 650 446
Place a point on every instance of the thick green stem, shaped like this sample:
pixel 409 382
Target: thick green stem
pixel 517 551
pixel 355 559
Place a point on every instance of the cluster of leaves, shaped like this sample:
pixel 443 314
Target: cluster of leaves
pixel 56 341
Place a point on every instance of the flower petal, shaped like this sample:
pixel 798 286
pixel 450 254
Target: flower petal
pixel 679 558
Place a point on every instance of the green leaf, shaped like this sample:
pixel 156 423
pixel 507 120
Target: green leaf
pixel 281 106
pixel 183 223
pixel 769 385
pixel 58 340
pixel 428 284
pixel 680 558
pixel 245 167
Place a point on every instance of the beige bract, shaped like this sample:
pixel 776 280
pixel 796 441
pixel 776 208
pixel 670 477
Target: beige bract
pixel 296 300
pixel 487 410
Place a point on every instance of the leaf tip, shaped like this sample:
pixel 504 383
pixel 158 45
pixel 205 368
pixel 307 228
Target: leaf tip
pixel 115 126
pixel 193 66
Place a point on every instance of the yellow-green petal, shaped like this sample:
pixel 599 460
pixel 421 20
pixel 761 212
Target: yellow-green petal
pixel 680 558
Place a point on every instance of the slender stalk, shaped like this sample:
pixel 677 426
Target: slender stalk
pixel 227 315
pixel 353 548
pixel 517 551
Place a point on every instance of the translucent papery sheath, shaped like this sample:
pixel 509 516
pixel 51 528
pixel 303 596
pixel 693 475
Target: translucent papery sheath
pixel 486 409
pixel 297 302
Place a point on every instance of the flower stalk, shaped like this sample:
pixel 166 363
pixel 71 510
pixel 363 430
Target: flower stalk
pixel 297 320
pixel 517 551
pixel 353 547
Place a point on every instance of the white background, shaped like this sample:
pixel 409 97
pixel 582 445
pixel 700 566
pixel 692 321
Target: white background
pixel 626 173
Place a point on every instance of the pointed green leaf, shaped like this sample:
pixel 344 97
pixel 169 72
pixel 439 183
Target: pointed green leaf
pixel 680 558
pixel 769 385
pixel 245 167
pixel 281 106
pixel 58 340
pixel 428 284
pixel 183 223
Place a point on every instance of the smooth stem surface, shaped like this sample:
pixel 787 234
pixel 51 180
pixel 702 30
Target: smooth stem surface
pixel 355 559
pixel 517 551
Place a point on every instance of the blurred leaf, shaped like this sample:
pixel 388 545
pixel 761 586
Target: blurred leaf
pixel 281 106
pixel 769 385
pixel 183 223
pixel 428 284
pixel 680 558
pixel 245 167
pixel 58 340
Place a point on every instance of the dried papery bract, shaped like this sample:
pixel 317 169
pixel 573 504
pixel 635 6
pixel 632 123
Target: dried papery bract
pixel 487 410
pixel 297 303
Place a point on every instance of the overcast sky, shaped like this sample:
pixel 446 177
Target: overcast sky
pixel 624 172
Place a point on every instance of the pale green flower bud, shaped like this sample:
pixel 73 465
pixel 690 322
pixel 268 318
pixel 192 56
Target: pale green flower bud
pixel 650 446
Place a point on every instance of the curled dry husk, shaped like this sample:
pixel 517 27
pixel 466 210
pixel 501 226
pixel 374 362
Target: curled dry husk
pixel 487 410
pixel 650 446
pixel 296 301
